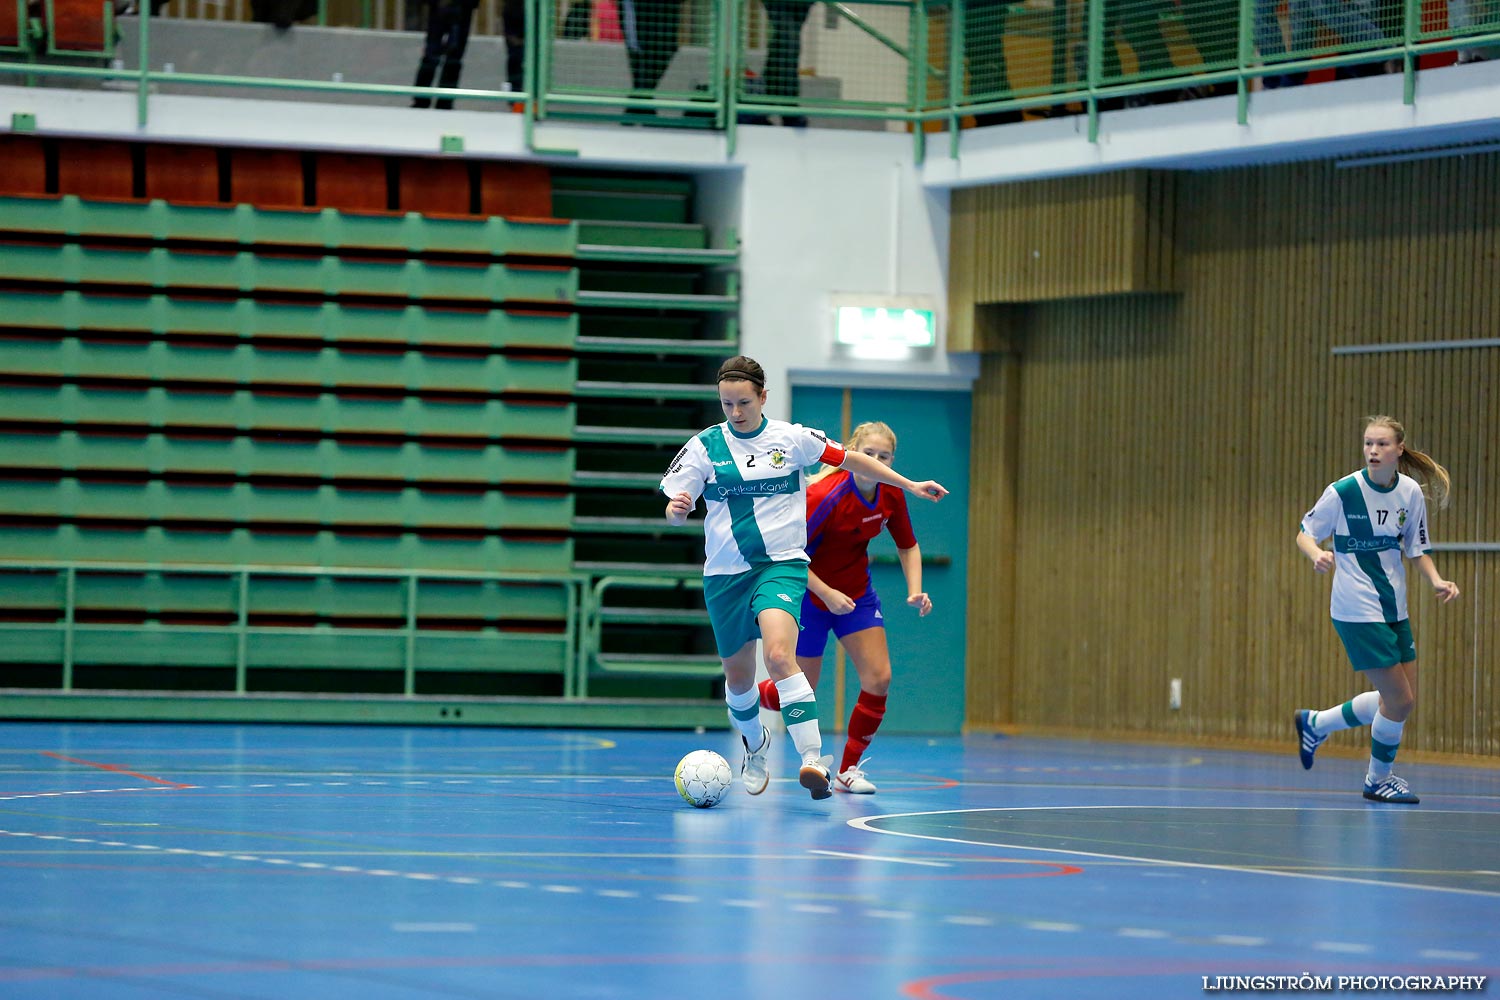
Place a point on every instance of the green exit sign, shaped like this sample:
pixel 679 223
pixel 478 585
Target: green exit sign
pixel 884 331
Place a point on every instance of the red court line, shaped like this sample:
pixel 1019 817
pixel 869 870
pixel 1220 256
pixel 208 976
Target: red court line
pixel 117 770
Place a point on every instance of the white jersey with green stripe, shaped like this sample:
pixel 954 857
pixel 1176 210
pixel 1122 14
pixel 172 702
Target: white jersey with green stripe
pixel 1372 528
pixel 753 486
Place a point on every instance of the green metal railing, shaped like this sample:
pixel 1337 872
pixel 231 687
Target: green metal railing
pixel 1073 58
pixel 600 611
pixel 42 604
pixel 204 619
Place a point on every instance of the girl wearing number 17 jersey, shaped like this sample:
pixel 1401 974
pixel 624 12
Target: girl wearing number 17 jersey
pixel 1375 516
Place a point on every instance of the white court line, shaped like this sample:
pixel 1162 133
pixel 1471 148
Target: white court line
pixel 1241 940
pixel 863 823
pixel 877 857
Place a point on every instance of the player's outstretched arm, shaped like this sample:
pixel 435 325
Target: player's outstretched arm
pixel 868 467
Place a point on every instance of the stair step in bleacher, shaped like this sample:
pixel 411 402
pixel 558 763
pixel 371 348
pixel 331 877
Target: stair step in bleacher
pixel 326 322
pixel 655 345
pixel 263 365
pixel 246 225
pixel 658 300
pixel 656 663
pixel 143 405
pixel 635 525
pixel 655 255
pixel 284 508
pixel 242 273
pixel 162 544
pixel 653 616
pixel 603 567
pixel 594 205
pixel 243 456
pixel 644 480
pixel 634 435
pixel 643 390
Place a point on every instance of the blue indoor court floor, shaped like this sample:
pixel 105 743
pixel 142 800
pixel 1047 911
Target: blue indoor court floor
pixel 292 862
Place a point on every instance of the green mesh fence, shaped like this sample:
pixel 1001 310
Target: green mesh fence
pixel 649 53
pixel 797 55
pixel 894 64
pixel 1011 50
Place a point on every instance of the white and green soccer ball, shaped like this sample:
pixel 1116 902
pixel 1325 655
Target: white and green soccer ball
pixel 703 778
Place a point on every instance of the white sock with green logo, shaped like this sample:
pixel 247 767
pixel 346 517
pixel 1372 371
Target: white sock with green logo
pixel 744 712
pixel 1385 740
pixel 1357 711
pixel 799 707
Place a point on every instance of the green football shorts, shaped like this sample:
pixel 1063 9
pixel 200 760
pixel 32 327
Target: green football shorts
pixel 1372 645
pixel 735 601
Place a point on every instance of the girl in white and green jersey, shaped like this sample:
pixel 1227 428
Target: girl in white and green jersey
pixel 1376 516
pixel 748 470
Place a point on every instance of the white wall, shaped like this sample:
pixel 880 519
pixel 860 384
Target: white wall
pixel 823 213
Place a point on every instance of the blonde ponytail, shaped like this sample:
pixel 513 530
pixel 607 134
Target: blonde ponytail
pixel 1436 483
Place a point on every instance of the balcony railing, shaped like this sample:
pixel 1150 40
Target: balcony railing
pixel 897 65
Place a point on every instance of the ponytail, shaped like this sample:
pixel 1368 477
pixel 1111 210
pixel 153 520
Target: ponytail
pixel 1436 484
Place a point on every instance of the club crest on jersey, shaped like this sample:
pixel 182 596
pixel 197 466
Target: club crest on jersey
pixel 778 458
pixel 1401 518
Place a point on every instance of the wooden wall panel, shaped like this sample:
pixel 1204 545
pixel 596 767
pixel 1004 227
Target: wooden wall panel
pixel 266 178
pixel 991 628
pixel 23 165
pixel 351 182
pixel 1098 234
pixel 1167 446
pixel 182 174
pixel 515 190
pixel 92 168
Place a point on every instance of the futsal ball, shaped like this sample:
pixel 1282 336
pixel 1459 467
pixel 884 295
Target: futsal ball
pixel 703 778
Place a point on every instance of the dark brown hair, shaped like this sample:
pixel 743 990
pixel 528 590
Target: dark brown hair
pixel 744 369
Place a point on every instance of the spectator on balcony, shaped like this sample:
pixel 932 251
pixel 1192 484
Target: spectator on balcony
pixel 650 28
pixel 1464 16
pixel 984 58
pixel 1214 27
pixel 513 13
pixel 282 13
pixel 784 55
pixel 448 23
pixel 1139 23
pixel 1351 21
pixel 1271 43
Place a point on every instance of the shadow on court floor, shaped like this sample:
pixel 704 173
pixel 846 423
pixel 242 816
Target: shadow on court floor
pixel 310 862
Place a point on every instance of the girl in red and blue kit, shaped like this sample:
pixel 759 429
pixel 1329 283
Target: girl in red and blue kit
pixel 844 512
